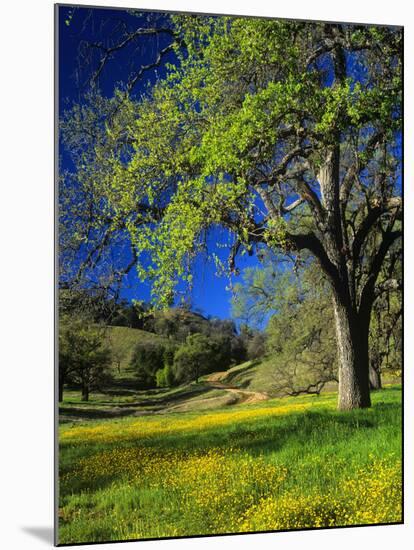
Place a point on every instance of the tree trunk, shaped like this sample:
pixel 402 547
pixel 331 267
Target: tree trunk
pixel 375 378
pixel 353 360
pixel 60 390
pixel 85 393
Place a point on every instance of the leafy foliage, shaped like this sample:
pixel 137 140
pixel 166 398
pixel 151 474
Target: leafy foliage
pixel 196 357
pixel 147 359
pixel 84 355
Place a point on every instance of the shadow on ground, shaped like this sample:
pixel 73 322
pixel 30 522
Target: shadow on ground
pixel 157 403
pixel 44 534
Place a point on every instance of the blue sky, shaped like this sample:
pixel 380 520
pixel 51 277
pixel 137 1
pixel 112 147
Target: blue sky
pixel 211 293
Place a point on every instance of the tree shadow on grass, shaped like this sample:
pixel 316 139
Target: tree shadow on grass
pixel 83 413
pixel 143 407
pixel 300 431
pixel 319 428
pixel 232 376
pixel 260 437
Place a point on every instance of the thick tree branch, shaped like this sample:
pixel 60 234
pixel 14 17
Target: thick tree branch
pixel 310 241
pixel 376 211
pixel 359 165
pixel 368 291
pixel 289 208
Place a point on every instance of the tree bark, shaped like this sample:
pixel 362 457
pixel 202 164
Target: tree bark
pixel 353 357
pixel 375 381
pixel 85 393
pixel 60 390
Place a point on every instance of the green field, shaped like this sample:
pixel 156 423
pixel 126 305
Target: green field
pixel 278 464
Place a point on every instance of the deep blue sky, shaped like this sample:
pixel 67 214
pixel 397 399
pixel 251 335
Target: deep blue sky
pixel 77 25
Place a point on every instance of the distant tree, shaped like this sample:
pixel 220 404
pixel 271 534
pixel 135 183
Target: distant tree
pixel 169 352
pixel 118 353
pixel 300 334
pixel 147 358
pixel 193 358
pixel 93 305
pixel 83 354
pixel 301 342
pixel 176 323
pixel 127 314
pixel 179 322
pixel 386 336
pixel 256 346
pixel 231 346
pixel 67 363
pixel 164 325
pixel 165 376
pixel 97 306
pixel 261 290
pixel 238 346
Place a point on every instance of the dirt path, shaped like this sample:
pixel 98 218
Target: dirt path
pixel 191 401
pixel 243 396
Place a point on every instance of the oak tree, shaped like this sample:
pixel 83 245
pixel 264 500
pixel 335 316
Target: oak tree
pixel 285 134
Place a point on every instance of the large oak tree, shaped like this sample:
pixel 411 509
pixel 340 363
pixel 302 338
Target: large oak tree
pixel 286 134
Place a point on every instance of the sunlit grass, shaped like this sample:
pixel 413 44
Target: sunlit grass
pixel 281 464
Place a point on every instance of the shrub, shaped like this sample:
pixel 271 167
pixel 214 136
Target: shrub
pixel 165 377
pixel 192 359
pixel 147 359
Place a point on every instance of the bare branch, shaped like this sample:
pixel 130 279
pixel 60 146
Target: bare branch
pixel 108 52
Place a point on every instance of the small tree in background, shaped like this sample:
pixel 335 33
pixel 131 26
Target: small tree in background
pixel 386 337
pixel 300 335
pixel 146 360
pixel 84 355
pixel 66 360
pixel 193 358
pixel 256 346
pixel 302 340
pixel 165 376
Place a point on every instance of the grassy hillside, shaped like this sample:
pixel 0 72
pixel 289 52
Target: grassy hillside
pixel 123 341
pixel 259 376
pixel 254 375
pixel 279 464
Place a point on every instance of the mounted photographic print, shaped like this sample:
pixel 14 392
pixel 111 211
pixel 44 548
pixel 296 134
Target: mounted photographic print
pixel 229 334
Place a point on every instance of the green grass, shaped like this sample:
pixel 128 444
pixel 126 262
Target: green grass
pixel 280 464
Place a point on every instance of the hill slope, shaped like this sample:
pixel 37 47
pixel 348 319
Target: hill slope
pixel 122 341
pixel 260 375
pixel 255 376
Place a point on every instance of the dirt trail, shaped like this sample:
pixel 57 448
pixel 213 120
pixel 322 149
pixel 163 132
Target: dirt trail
pixel 243 396
pixel 192 401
